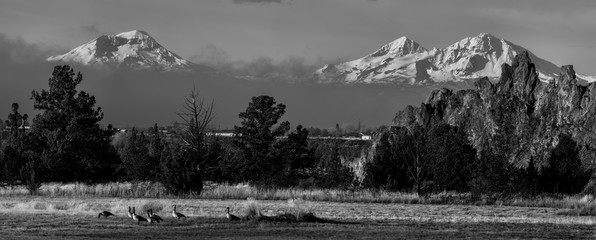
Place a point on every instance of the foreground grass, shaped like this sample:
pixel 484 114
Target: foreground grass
pixel 245 191
pixel 204 208
pixel 76 227
pixel 76 218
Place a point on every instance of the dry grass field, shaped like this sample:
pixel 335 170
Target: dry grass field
pixel 76 218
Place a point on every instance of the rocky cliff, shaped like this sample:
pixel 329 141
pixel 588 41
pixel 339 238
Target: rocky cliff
pixel 532 113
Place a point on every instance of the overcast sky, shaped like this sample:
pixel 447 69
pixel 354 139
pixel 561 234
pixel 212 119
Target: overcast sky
pixel 560 31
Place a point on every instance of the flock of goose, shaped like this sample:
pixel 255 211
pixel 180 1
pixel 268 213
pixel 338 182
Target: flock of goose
pixel 154 218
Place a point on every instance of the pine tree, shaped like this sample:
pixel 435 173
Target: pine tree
pixel 68 127
pixel 256 135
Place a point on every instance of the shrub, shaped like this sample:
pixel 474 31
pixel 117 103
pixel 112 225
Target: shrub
pixel 565 173
pixel 590 188
pixel 252 210
pixel 179 173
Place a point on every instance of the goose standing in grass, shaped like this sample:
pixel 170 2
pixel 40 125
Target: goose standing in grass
pixel 151 219
pixel 154 216
pixel 136 217
pixel 177 214
pixel 129 213
pixel 105 214
pixel 231 217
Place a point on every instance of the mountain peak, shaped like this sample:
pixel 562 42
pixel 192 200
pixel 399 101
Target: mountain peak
pixel 404 61
pixel 485 35
pixel 135 50
pixel 399 47
pixel 484 42
pixel 133 34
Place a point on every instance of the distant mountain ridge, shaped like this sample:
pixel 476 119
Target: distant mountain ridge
pixel 404 61
pixel 134 50
pixel 400 62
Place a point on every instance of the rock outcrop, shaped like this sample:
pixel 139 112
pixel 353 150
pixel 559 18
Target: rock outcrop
pixel 534 113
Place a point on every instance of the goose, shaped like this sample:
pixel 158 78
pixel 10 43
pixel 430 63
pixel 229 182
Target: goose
pixel 155 216
pixel 177 214
pixel 136 217
pixel 105 214
pixel 151 219
pixel 231 217
pixel 129 213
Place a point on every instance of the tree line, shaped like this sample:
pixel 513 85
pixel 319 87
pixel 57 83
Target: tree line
pixel 65 143
pixel 439 157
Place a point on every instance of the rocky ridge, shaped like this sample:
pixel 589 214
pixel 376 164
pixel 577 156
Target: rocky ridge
pixel 535 112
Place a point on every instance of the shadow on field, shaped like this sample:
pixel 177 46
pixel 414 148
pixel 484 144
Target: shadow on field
pixel 87 226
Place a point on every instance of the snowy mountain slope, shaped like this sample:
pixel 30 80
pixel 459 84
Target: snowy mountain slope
pixel 132 50
pixel 404 61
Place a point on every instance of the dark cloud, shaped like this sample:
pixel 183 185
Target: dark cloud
pixel 144 98
pixel 16 50
pixel 257 1
pixel 292 69
pixel 22 66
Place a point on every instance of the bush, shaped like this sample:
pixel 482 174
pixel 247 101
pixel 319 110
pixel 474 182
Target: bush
pixel 179 173
pixel 565 173
pixel 590 188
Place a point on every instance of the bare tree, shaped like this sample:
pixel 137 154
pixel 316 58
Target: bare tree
pixel 415 158
pixel 183 165
pixel 416 168
pixel 196 115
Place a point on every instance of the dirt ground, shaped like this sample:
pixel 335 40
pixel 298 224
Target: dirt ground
pixel 60 218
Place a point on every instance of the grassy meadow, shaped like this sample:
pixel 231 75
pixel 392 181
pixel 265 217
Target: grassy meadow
pixel 245 191
pixel 70 211
pixel 44 217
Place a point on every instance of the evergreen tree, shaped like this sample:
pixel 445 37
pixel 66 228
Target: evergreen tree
pixel 13 152
pixel 256 135
pixel 565 173
pixel 155 149
pixel 16 121
pixel 135 157
pixel 331 172
pixel 293 160
pixel 388 169
pixel 451 158
pixel 216 152
pixel 179 174
pixel 19 162
pixel 68 127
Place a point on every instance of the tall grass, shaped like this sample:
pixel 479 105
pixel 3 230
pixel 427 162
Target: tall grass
pixel 115 189
pixel 246 191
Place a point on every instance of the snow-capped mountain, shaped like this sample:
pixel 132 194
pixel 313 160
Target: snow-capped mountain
pixel 132 50
pixel 404 61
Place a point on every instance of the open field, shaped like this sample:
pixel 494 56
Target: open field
pixel 215 191
pixel 31 218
